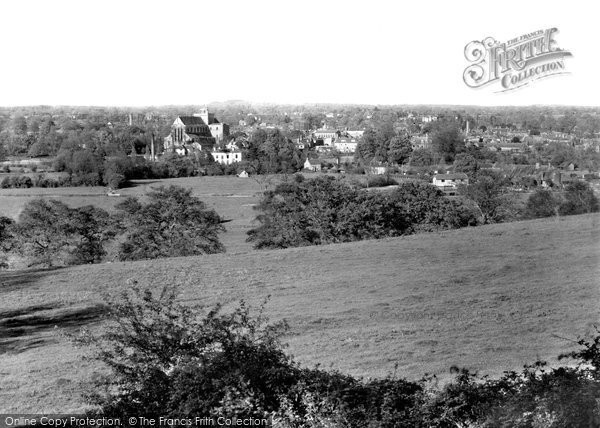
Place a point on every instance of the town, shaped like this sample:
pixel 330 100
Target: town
pixel 529 147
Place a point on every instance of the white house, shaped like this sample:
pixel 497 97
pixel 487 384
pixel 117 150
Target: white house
pixel 316 166
pixel 345 145
pixel 450 180
pixel 227 158
pixel 325 134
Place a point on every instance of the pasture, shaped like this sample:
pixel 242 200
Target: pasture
pixel 489 298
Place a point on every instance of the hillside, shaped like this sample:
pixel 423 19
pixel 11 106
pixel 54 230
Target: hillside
pixel 488 298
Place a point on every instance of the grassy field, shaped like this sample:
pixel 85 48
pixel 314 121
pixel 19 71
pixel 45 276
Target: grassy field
pixel 487 298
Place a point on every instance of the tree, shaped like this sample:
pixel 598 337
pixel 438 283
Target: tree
pixel 19 125
pixel 487 192
pixel 51 233
pixel 39 148
pixel 579 198
pixel 541 203
pixel 91 227
pixel 42 231
pixel 422 157
pixel 6 238
pixel 447 139
pixel 3 152
pixel 5 229
pixel 367 145
pixel 399 149
pixel 466 163
pixel 172 223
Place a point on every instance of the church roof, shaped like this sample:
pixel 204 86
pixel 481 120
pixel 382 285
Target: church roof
pixel 191 120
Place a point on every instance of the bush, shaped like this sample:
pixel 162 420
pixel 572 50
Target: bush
pixel 175 361
pixel 541 203
pixel 17 182
pixel 184 362
pixel 85 179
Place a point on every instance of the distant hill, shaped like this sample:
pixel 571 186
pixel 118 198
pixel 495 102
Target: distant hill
pixel 489 298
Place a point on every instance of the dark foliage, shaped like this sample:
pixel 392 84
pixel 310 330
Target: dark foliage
pixel 447 139
pixel 541 203
pixel 579 198
pixel 51 233
pixel 172 223
pixel 6 239
pixel 179 362
pixel 384 144
pixel 175 361
pixel 488 193
pixel 325 210
pixel 380 181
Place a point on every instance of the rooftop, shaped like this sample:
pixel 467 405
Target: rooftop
pixel 191 120
pixel 451 176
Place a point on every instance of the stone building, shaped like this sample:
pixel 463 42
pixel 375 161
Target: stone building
pixel 201 131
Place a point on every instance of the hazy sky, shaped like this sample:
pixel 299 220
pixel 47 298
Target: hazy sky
pixel 195 52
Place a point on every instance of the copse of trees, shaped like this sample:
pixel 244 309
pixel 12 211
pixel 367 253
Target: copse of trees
pixel 271 152
pixel 384 144
pixel 166 359
pixel 325 210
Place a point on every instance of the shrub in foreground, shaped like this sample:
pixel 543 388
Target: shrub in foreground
pixel 175 361
pixel 170 360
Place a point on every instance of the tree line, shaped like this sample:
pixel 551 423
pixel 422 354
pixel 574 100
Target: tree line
pixel 327 210
pixel 168 222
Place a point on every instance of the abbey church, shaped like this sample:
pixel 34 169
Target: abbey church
pixel 201 131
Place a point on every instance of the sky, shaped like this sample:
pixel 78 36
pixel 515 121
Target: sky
pixel 177 52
